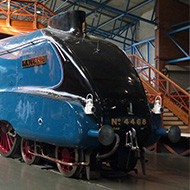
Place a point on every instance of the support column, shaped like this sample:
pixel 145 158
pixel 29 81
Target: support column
pixel 8 20
pixel 168 12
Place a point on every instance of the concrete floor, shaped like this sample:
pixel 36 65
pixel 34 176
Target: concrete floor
pixel 164 172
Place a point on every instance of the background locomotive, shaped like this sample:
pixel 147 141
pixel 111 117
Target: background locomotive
pixel 73 99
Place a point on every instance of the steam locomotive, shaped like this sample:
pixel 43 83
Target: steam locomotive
pixel 73 99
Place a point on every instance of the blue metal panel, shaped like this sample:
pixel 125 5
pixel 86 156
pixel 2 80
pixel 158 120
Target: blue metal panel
pixel 8 71
pixel 65 124
pixel 51 74
pixel 31 108
pixel 18 41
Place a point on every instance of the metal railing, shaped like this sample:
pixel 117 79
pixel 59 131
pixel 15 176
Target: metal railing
pixel 172 92
pixel 25 10
pixel 136 48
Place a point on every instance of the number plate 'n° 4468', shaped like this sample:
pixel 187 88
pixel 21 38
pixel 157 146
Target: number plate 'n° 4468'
pixel 127 121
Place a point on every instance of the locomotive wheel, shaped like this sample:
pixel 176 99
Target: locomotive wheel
pixel 69 155
pixel 9 140
pixel 27 157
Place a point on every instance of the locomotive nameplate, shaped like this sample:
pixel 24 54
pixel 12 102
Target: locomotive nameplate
pixel 41 60
pixel 127 121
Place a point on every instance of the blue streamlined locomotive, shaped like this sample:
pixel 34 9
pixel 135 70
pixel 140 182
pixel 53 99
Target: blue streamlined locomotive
pixel 73 99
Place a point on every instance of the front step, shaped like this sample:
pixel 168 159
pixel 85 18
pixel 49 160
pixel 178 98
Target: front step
pixel 168 114
pixel 170 119
pixel 171 122
pixel 173 118
pixel 182 127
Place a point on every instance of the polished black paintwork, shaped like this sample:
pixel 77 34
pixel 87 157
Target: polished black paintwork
pixel 51 104
pixel 107 74
pixel 70 21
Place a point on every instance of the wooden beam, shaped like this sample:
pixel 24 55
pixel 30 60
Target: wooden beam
pixel 18 27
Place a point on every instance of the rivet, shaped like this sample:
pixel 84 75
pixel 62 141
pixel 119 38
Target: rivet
pixel 40 121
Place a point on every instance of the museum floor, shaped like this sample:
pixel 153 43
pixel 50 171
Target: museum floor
pixel 164 172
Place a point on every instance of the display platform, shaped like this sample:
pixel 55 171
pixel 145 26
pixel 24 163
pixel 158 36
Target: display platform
pixel 163 171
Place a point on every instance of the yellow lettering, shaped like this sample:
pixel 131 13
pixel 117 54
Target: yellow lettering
pixel 144 121
pixel 132 122
pixel 119 121
pixel 138 121
pixel 126 121
pixel 114 121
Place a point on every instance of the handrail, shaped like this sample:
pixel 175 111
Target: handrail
pixel 163 84
pixel 32 11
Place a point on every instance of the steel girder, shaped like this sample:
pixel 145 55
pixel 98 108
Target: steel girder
pixel 184 26
pixel 104 20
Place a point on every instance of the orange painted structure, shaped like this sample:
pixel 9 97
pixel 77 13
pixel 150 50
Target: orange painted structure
pixel 26 16
pixel 175 98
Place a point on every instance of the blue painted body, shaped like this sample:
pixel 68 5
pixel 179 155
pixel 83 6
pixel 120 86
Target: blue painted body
pixel 12 75
pixel 64 124
pixel 33 115
pixel 34 100
pixel 60 86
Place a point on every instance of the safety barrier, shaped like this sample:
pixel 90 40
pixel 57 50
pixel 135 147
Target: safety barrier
pixel 175 98
pixel 24 10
